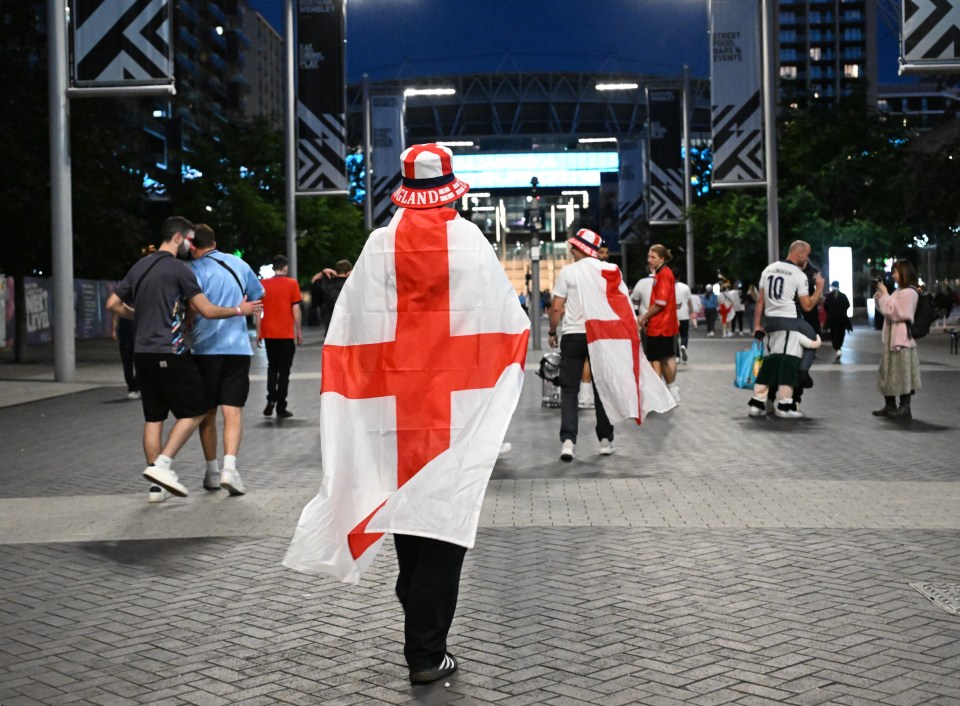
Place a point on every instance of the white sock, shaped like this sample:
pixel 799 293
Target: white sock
pixel 163 462
pixel 213 466
pixel 230 463
pixel 586 390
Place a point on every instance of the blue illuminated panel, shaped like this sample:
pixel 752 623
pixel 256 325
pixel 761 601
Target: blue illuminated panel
pixel 553 169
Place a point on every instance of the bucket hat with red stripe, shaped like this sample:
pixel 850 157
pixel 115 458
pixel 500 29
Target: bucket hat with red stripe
pixel 428 178
pixel 586 241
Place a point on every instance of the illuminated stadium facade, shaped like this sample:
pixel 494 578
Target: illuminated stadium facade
pixel 507 129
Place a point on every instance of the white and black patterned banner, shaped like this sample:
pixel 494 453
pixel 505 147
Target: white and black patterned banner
pixel 930 36
pixel 665 179
pixel 735 87
pixel 632 197
pixel 386 127
pixel 122 42
pixel 321 97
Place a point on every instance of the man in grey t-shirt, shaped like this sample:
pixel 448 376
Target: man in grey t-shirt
pixel 156 293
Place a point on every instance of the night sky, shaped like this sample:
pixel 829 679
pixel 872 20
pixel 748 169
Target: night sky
pixel 410 38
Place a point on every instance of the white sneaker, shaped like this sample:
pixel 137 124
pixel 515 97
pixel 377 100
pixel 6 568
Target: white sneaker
pixel 683 353
pixel 675 391
pixel 157 494
pixel 166 479
pixel 566 452
pixel 606 447
pixel 211 480
pixel 787 410
pixel 758 408
pixel 710 334
pixel 134 395
pixel 230 479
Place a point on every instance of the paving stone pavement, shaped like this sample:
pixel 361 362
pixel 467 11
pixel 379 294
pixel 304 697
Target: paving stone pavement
pixel 715 559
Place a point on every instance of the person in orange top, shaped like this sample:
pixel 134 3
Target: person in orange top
pixel 279 327
pixel 660 320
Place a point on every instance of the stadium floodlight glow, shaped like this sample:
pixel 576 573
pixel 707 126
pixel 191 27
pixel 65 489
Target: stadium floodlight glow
pixel 627 86
pixel 591 140
pixel 457 143
pixel 480 194
pixel 407 92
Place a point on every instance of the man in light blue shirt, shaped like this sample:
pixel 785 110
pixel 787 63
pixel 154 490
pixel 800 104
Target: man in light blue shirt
pixel 222 351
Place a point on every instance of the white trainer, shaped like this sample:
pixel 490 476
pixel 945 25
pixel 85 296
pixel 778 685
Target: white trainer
pixel 675 391
pixel 166 479
pixel 230 479
pixel 787 410
pixel 566 452
pixel 606 447
pixel 211 480
pixel 157 494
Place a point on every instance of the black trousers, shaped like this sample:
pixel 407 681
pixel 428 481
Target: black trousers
pixel 126 343
pixel 279 361
pixel 838 332
pixel 573 354
pixel 684 332
pixel 428 586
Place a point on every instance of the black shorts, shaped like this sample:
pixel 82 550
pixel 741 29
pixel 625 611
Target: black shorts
pixel 226 379
pixel 660 347
pixel 169 383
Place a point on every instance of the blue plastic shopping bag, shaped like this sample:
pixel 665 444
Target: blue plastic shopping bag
pixel 748 365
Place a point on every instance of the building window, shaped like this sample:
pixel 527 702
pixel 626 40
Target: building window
pixel 789 72
pixel 851 70
pixel 815 53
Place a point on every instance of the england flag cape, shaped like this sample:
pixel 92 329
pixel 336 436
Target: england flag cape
pixel 628 386
pixel 422 370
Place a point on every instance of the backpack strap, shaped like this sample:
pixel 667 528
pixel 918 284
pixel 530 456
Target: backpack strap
pixel 136 287
pixel 227 268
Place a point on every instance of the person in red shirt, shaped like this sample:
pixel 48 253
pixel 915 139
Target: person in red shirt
pixel 660 320
pixel 279 327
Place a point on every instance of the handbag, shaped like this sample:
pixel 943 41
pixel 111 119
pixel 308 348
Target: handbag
pixel 748 364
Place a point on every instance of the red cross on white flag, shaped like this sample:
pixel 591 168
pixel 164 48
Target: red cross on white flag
pixel 422 370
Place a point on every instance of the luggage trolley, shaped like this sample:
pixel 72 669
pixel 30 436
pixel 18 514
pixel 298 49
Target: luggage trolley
pixel 549 372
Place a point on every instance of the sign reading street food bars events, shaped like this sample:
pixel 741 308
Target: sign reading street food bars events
pixel 665 181
pixel 735 86
pixel 122 42
pixel 930 36
pixel 386 121
pixel 321 97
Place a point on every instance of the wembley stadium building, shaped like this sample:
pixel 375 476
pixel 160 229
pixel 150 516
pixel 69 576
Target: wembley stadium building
pixel 542 152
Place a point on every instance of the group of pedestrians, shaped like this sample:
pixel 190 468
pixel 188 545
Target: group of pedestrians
pixel 185 306
pixel 422 371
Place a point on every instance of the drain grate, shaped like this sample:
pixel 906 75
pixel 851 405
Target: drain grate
pixel 945 595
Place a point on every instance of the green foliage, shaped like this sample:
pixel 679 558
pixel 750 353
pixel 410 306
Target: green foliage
pixel 241 196
pixel 844 179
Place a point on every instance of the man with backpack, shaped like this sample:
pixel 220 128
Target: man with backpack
pixel 222 352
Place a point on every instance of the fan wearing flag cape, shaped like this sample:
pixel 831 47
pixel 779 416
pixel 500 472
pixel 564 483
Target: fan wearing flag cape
pixel 591 319
pixel 422 370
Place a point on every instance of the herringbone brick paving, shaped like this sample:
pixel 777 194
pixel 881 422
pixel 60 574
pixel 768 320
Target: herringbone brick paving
pixel 715 559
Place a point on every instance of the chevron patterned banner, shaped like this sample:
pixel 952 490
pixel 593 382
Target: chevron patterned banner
pixel 665 181
pixel 632 198
pixel 930 36
pixel 735 85
pixel 122 42
pixel 321 97
pixel 383 206
pixel 386 123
